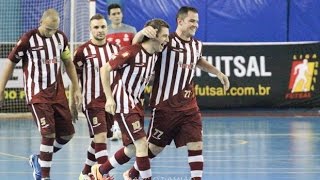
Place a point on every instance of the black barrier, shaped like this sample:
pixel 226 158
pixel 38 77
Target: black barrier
pixel 269 76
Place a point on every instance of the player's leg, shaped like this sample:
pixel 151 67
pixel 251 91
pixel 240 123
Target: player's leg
pixel 63 124
pixel 160 133
pixel 191 135
pixel 195 159
pixel 101 131
pixel 90 161
pixel 44 117
pixel 128 126
pixel 99 125
pixel 133 173
pixel 142 159
pixel 122 156
pixel 134 125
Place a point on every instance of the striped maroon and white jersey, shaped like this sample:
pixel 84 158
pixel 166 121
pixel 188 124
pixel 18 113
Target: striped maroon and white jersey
pixel 134 66
pixel 173 84
pixel 41 65
pixel 88 60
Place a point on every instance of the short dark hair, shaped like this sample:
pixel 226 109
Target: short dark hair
pixel 97 17
pixel 183 11
pixel 113 6
pixel 156 24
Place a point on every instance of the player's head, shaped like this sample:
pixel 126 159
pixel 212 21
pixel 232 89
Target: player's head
pixel 98 27
pixel 187 21
pixel 49 23
pixel 162 37
pixel 115 14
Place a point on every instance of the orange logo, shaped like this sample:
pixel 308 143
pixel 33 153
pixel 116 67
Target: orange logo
pixel 303 74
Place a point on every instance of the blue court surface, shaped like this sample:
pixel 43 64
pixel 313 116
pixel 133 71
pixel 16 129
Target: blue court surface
pixel 237 146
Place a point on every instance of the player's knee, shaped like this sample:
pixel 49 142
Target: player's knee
pixel 155 149
pixel 130 150
pixel 100 138
pixel 67 138
pixel 195 145
pixel 52 135
pixel 142 142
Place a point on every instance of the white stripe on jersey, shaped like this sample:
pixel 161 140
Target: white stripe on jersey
pixel 36 72
pixel 84 77
pixel 29 79
pixel 51 65
pixel 89 74
pixel 187 70
pixel 57 65
pixel 125 97
pixel 96 74
pixel 179 70
pixel 162 71
pixel 170 72
pixel 43 67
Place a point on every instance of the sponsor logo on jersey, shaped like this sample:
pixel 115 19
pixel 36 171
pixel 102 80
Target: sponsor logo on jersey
pixel 140 64
pixel 178 50
pixel 91 56
pixel 37 48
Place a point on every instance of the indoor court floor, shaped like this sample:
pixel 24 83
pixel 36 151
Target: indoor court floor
pixel 237 146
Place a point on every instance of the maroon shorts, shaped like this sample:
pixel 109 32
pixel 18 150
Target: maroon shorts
pixel 181 126
pixel 53 118
pixel 99 121
pixel 131 126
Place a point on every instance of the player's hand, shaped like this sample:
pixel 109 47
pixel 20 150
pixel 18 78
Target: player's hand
pixel 224 80
pixel 74 112
pixel 150 32
pixel 77 98
pixel 110 106
pixel 1 98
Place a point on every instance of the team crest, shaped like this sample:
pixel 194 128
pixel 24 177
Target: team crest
pixel 79 63
pixel 125 54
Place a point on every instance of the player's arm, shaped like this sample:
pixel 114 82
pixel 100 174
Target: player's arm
pixel 148 31
pixel 71 71
pixel 6 74
pixel 77 61
pixel 207 67
pixel 105 81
